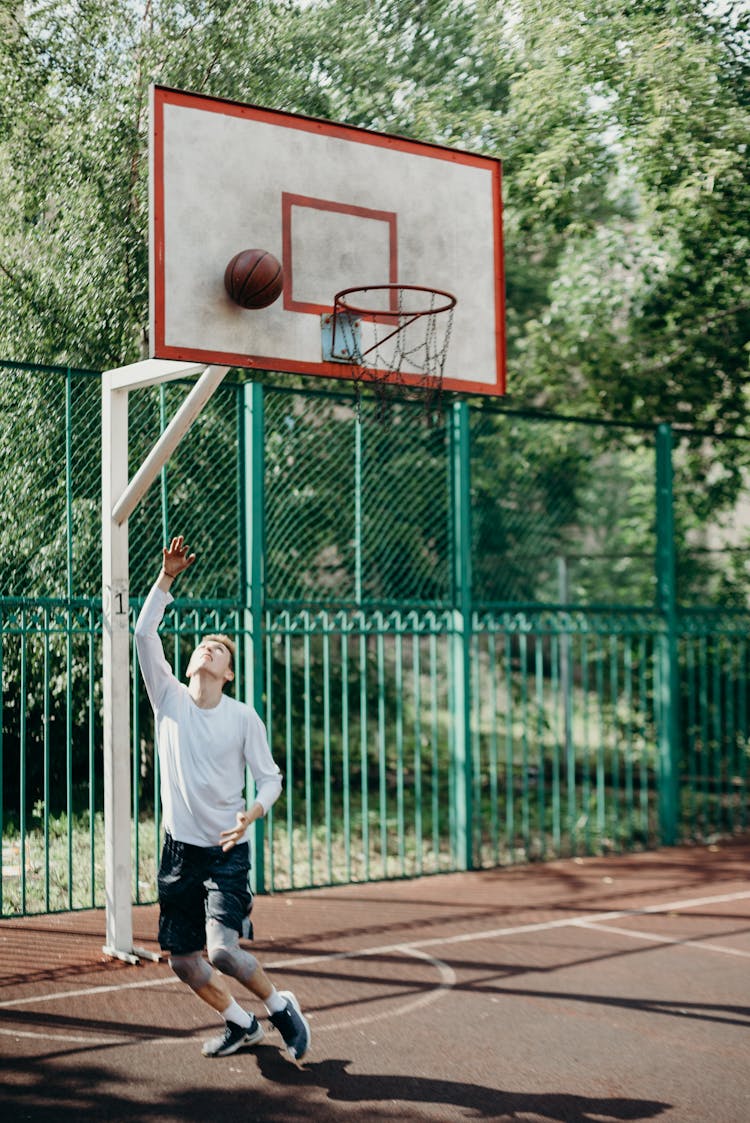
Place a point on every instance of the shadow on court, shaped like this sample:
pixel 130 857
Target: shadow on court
pixel 48 1091
pixel 592 990
pixel 342 1086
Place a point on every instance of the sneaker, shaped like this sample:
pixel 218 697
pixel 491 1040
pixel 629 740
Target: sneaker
pixel 292 1026
pixel 233 1038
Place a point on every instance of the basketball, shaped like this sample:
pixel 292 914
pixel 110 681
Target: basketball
pixel 253 278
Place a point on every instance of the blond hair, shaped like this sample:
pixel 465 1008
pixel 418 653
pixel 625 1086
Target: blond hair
pixel 228 643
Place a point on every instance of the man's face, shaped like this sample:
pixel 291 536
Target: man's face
pixel 213 659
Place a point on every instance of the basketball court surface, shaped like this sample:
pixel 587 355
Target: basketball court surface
pixel 592 989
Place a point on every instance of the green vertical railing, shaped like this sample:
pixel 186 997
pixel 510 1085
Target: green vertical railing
pixel 668 670
pixel 361 796
pixel 254 525
pixel 564 792
pixel 462 636
pixel 344 729
pixel 22 767
pixel 713 772
pixel 2 771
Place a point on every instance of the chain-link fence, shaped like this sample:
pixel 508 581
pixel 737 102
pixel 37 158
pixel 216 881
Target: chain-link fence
pixel 526 632
pixel 360 512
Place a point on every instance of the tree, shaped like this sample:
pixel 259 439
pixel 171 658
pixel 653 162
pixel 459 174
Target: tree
pixel 649 311
pixel 622 128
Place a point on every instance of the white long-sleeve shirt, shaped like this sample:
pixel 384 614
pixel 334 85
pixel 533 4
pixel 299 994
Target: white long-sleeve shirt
pixel 202 752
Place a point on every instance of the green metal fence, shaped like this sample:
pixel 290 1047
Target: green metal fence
pixel 490 639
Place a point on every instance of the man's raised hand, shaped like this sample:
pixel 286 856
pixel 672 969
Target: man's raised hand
pixel 176 557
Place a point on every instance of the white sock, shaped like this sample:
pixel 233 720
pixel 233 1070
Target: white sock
pixel 235 1013
pixel 275 1003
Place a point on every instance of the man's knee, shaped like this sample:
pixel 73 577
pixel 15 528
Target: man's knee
pixel 225 953
pixel 191 969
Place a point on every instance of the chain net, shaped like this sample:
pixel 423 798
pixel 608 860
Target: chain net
pixel 399 347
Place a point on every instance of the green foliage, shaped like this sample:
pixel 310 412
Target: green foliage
pixel 649 314
pixel 623 131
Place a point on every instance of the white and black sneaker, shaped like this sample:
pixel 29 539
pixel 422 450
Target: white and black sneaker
pixel 292 1026
pixel 233 1038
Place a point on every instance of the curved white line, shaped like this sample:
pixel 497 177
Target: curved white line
pixel 447 980
pixel 447 976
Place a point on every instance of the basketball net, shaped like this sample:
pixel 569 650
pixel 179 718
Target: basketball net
pixel 397 338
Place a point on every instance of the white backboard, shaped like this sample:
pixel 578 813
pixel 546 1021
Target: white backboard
pixel 339 207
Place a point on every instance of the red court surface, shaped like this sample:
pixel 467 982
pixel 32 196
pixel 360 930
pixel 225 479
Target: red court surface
pixel 597 989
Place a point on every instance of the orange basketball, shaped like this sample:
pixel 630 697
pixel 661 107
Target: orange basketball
pixel 254 278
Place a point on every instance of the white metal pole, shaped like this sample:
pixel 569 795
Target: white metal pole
pixel 119 500
pixel 128 499
pixel 116 682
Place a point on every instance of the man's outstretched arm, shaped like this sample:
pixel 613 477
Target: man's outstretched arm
pixel 156 671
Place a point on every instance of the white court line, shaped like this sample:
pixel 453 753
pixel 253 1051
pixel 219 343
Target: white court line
pixel 447 975
pixel 657 939
pixel 448 979
pixel 87 991
pixel 75 1038
pixel 436 941
pixel 517 930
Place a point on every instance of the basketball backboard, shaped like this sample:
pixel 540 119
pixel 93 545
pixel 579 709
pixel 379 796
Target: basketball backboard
pixel 339 207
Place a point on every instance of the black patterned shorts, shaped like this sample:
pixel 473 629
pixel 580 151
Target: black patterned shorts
pixel 198 883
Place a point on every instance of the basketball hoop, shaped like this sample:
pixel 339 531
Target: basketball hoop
pixel 392 335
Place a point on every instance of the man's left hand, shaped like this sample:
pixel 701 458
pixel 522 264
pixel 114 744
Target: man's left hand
pixel 232 837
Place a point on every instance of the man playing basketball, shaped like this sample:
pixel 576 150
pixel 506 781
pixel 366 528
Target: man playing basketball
pixel 205 740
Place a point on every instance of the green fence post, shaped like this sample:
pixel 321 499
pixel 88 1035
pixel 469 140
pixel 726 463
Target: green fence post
pixel 254 593
pixel 2 792
pixel 462 633
pixel 69 627
pixel 667 676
